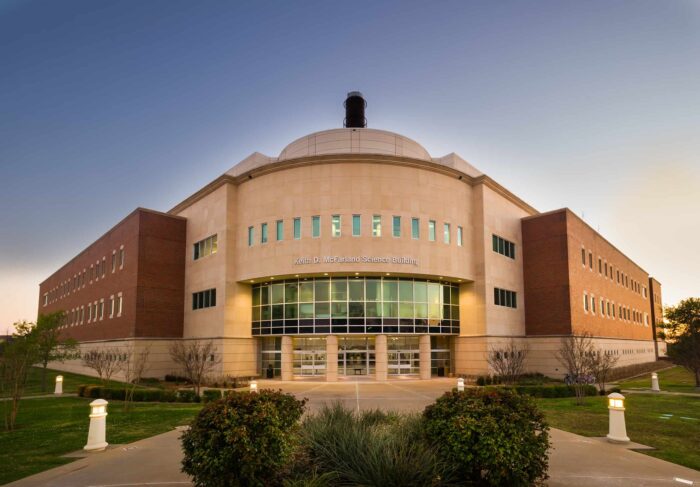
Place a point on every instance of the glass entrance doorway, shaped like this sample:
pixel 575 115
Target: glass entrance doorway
pixel 309 356
pixel 403 356
pixel 356 356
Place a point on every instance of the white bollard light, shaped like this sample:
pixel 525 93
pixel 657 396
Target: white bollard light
pixel 253 386
pixel 460 385
pixel 617 432
pixel 655 382
pixel 98 426
pixel 59 385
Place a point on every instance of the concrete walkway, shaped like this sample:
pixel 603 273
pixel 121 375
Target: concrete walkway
pixel 574 461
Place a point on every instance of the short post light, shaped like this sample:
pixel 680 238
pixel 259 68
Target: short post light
pixel 98 426
pixel 253 386
pixel 59 385
pixel 460 385
pixel 655 382
pixel 617 430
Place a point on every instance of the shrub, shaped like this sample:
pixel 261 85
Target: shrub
pixel 480 381
pixel 243 439
pixel 175 378
pixel 187 395
pixel 372 448
pixel 210 395
pixel 493 437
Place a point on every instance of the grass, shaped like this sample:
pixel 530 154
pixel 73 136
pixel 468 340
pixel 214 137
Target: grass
pixel 676 439
pixel 50 427
pixel 675 379
pixel 70 382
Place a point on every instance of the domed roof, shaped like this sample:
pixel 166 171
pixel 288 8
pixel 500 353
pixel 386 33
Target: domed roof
pixel 354 141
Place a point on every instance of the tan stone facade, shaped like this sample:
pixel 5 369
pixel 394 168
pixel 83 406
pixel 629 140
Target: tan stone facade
pixel 363 204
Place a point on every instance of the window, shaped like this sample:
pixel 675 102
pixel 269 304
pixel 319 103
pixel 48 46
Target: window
pixel 585 302
pixel 459 236
pixel 204 299
pixel 503 246
pixel 280 230
pixel 583 256
pixel 111 306
pixel 503 297
pixel 251 236
pixel 104 265
pixel 600 265
pixel 205 247
pixel 89 313
pixel 376 225
pixel 121 257
pixel 592 304
pixel 46 299
pixel 297 228
pixel 396 226
pixel 102 309
pixel 356 225
pixel 415 228
pixel 446 233
pixel 431 230
pixel 263 233
pixel 119 304
pixel 335 226
pixel 114 264
pixel 315 226
pixel 590 260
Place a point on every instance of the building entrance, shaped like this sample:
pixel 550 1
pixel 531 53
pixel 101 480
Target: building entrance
pixel 356 356
pixel 403 356
pixel 309 356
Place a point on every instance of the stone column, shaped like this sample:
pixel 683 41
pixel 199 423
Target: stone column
pixel 381 361
pixel 331 358
pixel 424 348
pixel 287 358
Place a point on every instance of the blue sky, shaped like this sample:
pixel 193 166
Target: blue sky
pixel 106 106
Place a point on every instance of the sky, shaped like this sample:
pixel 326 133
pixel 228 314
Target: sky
pixel 108 106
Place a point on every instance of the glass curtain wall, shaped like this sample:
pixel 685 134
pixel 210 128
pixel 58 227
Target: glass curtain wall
pixel 309 356
pixel 403 355
pixel 440 356
pixel 356 356
pixel 363 305
pixel 271 357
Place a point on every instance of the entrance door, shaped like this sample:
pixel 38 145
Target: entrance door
pixel 309 362
pixel 353 363
pixel 403 362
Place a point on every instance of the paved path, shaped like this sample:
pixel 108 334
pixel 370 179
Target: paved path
pixel 660 393
pixel 41 396
pixel 574 460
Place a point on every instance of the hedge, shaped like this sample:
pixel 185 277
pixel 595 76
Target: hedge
pixel 140 395
pixel 549 391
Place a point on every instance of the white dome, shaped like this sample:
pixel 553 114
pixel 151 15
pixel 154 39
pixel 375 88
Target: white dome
pixel 354 141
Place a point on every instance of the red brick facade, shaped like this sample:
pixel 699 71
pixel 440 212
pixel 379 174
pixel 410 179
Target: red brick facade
pixel 150 281
pixel 576 281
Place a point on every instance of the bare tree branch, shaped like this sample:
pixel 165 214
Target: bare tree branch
pixel 508 362
pixel 196 358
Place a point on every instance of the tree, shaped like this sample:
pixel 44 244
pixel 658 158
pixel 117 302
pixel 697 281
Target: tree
pixel 50 346
pixel 508 362
pixel 17 355
pixel 196 358
pixel 135 365
pixel 575 354
pixel 682 330
pixel 106 362
pixel 601 365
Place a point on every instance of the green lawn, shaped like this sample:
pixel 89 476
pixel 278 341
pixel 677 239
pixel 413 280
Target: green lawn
pixel 676 379
pixel 676 439
pixel 50 427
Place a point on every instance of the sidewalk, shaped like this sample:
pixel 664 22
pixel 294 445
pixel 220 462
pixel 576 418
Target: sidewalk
pixel 575 461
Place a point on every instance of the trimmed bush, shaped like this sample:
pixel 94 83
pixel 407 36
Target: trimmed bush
pixel 210 395
pixel 187 395
pixel 372 448
pixel 547 391
pixel 242 440
pixel 118 394
pixel 493 437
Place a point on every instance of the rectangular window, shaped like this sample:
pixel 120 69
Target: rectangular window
pixel 263 233
pixel 446 233
pixel 593 304
pixel 503 246
pixel 102 309
pixel 415 228
pixel 600 265
pixel 119 304
pixel 205 247
pixel 460 237
pixel 121 257
pixel 585 302
pixel 376 225
pixel 251 236
pixel 396 226
pixel 46 299
pixel 315 226
pixel 297 228
pixel 431 230
pixel 335 225
pixel 114 263
pixel 104 266
pixel 204 299
pixel 111 306
pixel 503 297
pixel 356 225
pixel 280 230
pixel 590 260
pixel 583 256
